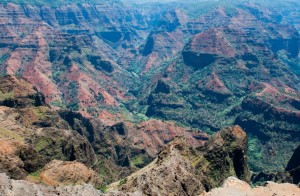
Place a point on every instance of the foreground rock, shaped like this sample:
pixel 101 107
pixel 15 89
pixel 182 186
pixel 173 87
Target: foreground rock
pixel 21 187
pixel 231 186
pixel 234 186
pixel 183 170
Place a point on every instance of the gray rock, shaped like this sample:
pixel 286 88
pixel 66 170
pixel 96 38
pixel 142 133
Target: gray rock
pixel 9 187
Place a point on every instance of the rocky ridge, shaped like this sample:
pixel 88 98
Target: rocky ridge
pixel 179 169
pixel 33 135
pixel 122 66
pixel 68 154
pixel 125 63
pixel 183 170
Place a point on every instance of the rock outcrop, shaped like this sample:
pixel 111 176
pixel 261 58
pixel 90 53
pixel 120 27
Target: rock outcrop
pixel 21 187
pixel 234 186
pixel 231 186
pixel 183 170
pixel 226 153
pixel 293 166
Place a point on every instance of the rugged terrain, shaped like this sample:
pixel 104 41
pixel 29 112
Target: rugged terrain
pixel 182 170
pixel 205 65
pixel 33 136
pixel 232 186
pixel 106 86
pixel 235 73
pixel 178 170
pixel 60 152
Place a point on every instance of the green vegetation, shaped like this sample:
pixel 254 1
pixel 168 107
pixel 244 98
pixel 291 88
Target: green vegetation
pixel 138 160
pixel 35 176
pixel 40 111
pixel 57 103
pixel 3 58
pixel 103 171
pixel 10 134
pixel 253 148
pixel 42 144
pixel 276 150
pixel 142 117
pixel 103 189
pixel 56 75
pixel 5 96
pixel 123 181
pixel 92 111
pixel 73 90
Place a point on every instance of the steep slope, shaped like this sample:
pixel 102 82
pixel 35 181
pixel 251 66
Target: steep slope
pixel 58 173
pixel 70 52
pixel 32 135
pixel 204 64
pixel 181 170
pixel 239 70
pixel 293 167
pixel 290 175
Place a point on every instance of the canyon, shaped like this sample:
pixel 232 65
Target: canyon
pixel 137 92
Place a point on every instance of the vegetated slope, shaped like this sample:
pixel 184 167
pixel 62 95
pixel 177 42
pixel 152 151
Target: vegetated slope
pixel 205 65
pixel 238 71
pixel 179 169
pixel 291 173
pixel 64 149
pixel 35 140
pixel 71 52
pixel 222 162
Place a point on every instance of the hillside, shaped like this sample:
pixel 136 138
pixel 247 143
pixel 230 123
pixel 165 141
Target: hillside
pixel 110 84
